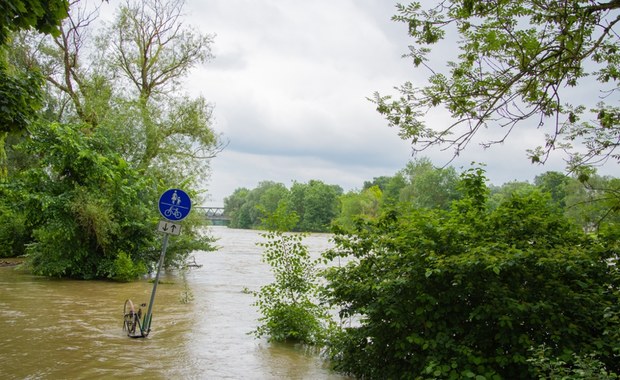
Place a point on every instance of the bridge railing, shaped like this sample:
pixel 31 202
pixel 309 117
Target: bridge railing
pixel 214 213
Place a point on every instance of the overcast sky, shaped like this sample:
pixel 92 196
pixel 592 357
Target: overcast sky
pixel 290 82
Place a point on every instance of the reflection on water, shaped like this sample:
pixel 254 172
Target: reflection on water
pixel 73 329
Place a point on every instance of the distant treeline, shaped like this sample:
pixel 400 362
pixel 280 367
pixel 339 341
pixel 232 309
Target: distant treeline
pixel 317 206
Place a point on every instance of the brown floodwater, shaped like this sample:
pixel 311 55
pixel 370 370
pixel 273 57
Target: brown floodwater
pixel 63 329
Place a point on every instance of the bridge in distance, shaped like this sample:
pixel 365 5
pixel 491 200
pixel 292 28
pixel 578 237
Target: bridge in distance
pixel 216 215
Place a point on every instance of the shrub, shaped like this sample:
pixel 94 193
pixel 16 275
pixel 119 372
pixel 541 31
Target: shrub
pixel 14 233
pixel 125 269
pixel 466 293
pixel 288 308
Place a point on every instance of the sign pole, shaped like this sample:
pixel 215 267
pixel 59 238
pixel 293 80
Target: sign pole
pixel 174 205
pixel 147 318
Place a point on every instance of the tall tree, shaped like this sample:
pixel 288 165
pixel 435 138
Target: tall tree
pixel 594 203
pixel 554 183
pixel 153 51
pixel 508 190
pixel 316 203
pixel 73 82
pixel 90 189
pixel 125 78
pixel 363 205
pixel 234 206
pixel 428 186
pixel 518 64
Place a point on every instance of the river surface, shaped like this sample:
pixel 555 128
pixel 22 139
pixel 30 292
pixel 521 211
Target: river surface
pixel 63 329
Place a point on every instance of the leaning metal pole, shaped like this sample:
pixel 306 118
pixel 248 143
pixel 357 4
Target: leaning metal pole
pixel 146 325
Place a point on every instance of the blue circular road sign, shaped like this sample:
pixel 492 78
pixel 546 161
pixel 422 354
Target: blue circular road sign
pixel 174 204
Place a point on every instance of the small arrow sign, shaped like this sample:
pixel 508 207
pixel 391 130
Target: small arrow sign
pixel 169 228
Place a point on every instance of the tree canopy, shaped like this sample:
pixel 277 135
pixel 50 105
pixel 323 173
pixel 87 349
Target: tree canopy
pixel 314 203
pixel 520 64
pixel 590 203
pixel 87 154
pixel 44 16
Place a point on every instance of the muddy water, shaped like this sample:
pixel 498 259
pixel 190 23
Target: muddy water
pixel 59 329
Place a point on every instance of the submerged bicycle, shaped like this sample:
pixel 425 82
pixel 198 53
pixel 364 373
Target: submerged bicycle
pixel 131 321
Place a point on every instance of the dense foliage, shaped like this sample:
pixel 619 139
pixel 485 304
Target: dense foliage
pixel 470 291
pixel 512 64
pixel 86 197
pixel 44 16
pixel 85 156
pixel 589 202
pixel 315 204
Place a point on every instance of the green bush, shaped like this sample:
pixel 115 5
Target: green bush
pixel 125 269
pixel 85 205
pixel 466 293
pixel 287 306
pixel 290 322
pixel 14 233
pixel 58 252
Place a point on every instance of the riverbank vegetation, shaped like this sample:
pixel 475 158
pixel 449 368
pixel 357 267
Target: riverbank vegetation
pixel 588 201
pixel 488 287
pixel 98 128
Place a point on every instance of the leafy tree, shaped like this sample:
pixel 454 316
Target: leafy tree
pixel 519 63
pixel 129 84
pixel 20 99
pixel 288 305
pixel 152 51
pixel 365 204
pixel 248 208
pixel 594 203
pixel 282 219
pixel 500 194
pixel 234 207
pixel 316 203
pixel 390 187
pixel 263 200
pixel 381 182
pixel 591 202
pixel 88 197
pixel 554 183
pixel 393 188
pixel 427 186
pixel 20 90
pixel 272 199
pixel 91 214
pixel 467 292
pixel 86 207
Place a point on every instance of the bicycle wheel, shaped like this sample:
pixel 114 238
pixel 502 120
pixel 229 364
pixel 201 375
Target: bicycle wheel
pixel 131 319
